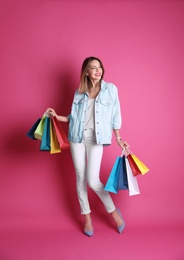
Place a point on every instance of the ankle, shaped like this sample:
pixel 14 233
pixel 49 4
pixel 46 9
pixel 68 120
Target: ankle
pixel 117 218
pixel 88 222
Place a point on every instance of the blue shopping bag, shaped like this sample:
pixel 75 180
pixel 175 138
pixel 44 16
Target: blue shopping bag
pixel 30 133
pixel 123 180
pixel 112 182
pixel 45 142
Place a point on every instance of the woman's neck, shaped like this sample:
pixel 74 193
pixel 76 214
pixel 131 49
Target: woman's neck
pixel 95 84
pixel 93 91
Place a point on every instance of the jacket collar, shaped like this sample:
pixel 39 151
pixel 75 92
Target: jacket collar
pixel 103 85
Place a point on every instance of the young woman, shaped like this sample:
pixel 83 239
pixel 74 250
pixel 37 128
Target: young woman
pixel 95 113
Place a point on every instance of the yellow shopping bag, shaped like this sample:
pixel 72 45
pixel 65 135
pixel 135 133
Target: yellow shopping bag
pixel 54 144
pixel 142 167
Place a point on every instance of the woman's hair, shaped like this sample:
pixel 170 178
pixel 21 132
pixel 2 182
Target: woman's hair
pixel 85 82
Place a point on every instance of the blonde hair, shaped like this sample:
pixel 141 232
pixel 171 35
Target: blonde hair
pixel 85 82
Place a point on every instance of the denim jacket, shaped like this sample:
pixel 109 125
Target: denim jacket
pixel 107 114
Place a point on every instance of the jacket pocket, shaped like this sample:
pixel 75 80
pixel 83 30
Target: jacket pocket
pixel 106 102
pixel 78 100
pixel 77 107
pixel 106 107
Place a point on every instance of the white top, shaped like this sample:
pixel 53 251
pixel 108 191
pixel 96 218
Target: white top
pixel 90 118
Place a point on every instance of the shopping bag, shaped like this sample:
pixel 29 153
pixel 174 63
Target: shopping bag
pixel 39 130
pixel 30 133
pixel 142 167
pixel 54 144
pixel 45 142
pixel 133 165
pixel 132 180
pixel 61 136
pixel 112 182
pixel 123 181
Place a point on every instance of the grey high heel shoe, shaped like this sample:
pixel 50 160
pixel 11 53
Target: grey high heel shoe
pixel 120 228
pixel 89 233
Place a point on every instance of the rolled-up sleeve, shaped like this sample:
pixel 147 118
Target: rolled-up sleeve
pixel 69 116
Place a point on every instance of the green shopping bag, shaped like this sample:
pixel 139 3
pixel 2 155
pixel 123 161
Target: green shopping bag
pixel 39 130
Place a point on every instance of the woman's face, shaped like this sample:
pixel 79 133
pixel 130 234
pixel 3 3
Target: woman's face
pixel 95 70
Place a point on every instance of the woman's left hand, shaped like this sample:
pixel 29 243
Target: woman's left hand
pixel 123 144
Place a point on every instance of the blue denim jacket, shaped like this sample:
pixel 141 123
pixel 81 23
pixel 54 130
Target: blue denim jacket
pixel 107 114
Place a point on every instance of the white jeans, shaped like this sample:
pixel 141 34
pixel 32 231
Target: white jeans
pixel 87 158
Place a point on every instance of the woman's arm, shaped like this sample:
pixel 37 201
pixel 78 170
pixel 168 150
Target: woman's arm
pixel 51 112
pixel 62 118
pixel 119 140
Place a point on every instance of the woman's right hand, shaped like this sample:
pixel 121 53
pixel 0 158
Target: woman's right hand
pixel 50 112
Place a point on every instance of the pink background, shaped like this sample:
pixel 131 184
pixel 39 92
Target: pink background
pixel 43 44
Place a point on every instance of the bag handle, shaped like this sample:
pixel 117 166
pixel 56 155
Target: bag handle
pixel 125 151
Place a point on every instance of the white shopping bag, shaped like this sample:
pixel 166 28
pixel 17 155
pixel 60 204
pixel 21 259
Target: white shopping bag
pixel 132 180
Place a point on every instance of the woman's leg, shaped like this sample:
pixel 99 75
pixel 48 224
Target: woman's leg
pixel 79 159
pixel 94 158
